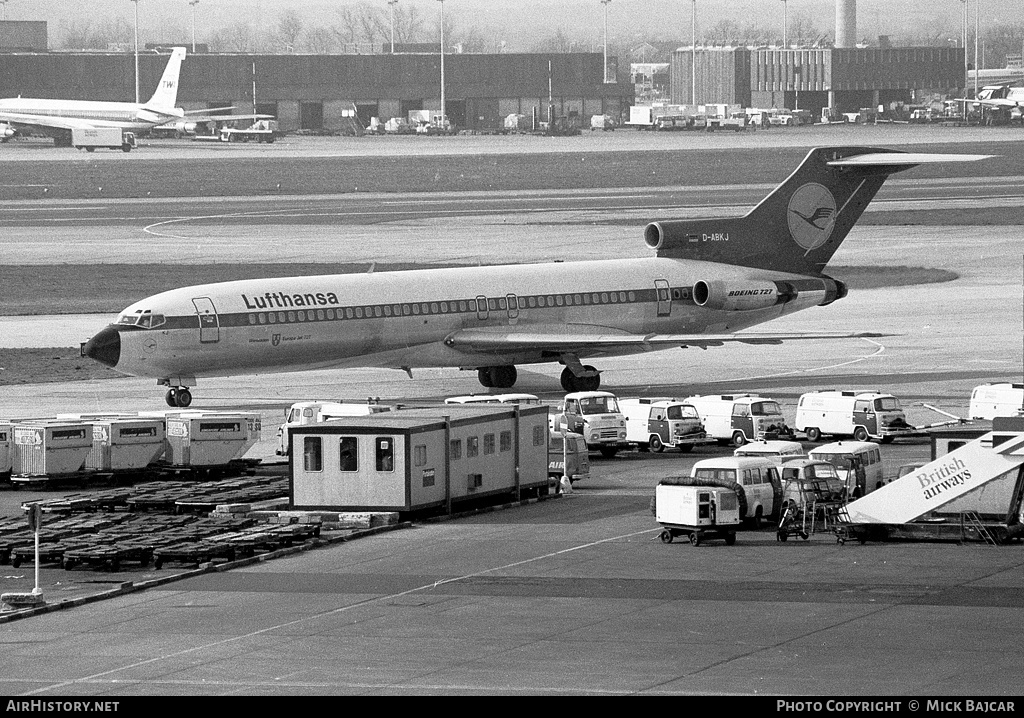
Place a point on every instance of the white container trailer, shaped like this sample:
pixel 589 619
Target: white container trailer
pixel 991 400
pixel 89 138
pixel 861 415
pixel 43 448
pixel 739 418
pixel 698 511
pixel 6 440
pixel 210 438
pixel 125 444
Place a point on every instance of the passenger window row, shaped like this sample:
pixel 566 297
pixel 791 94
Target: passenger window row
pixel 461 306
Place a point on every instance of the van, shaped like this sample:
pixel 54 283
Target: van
pixel 775 449
pixel 596 416
pixel 860 415
pixel 312 412
pixel 568 450
pixel 656 423
pixel 493 399
pixel 756 476
pixel 739 418
pixel 821 477
pixel 991 400
pixel 858 463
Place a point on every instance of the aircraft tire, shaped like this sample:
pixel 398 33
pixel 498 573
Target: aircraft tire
pixel 503 377
pixel 568 380
pixel 483 374
pixel 184 398
pixel 172 397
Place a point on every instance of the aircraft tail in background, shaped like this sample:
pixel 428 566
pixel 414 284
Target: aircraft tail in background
pixel 166 95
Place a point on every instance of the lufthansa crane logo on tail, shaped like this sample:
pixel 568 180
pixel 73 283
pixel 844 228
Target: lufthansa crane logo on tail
pixel 811 214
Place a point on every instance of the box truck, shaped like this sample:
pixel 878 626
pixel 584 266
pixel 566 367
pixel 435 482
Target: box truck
pixel 89 138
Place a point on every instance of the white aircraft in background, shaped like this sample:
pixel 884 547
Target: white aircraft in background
pixel 198 118
pixel 709 279
pixel 999 99
pixel 58 118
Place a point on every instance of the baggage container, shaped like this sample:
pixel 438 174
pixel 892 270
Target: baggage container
pixel 210 438
pixel 125 444
pixel 698 511
pixel 43 448
pixel 991 400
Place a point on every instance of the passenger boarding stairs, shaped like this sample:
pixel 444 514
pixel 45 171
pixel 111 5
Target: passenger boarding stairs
pixel 936 484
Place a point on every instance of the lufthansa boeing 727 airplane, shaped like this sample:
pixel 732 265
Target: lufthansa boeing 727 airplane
pixel 709 278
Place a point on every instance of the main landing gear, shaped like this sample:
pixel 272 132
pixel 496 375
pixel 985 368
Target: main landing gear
pixel 589 382
pixel 501 377
pixel 179 397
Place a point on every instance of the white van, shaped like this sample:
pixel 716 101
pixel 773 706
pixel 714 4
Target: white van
pixel 656 423
pixel 739 418
pixel 775 449
pixel 312 412
pixel 991 400
pixel 757 476
pixel 596 416
pixel 493 399
pixel 860 415
pixel 859 464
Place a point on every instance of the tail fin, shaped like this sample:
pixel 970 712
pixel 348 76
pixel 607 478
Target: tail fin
pixel 800 225
pixel 166 94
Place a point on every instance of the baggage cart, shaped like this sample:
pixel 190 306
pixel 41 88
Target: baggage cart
pixel 684 506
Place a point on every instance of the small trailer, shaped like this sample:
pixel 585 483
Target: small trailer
pixel 686 506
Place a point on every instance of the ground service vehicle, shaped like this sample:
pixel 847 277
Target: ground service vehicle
pixel 312 412
pixel 654 424
pixel 775 449
pixel 112 138
pixel 991 400
pixel 739 418
pixel 568 450
pixel 860 415
pixel 698 511
pixel 858 463
pixel 755 480
pixel 826 479
pixel 596 416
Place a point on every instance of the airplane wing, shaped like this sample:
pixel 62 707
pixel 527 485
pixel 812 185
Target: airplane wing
pixel 227 118
pixel 504 340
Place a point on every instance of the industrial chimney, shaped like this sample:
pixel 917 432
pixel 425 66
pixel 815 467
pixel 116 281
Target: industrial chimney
pixel 846 23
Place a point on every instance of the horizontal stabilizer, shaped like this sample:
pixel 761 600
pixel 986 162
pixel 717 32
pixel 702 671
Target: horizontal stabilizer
pixel 890 159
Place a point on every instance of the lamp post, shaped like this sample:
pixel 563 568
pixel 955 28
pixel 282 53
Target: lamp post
pixel 136 50
pixel 442 62
pixel 193 3
pixel 606 3
pixel 392 4
pixel 785 23
pixel 977 34
pixel 693 58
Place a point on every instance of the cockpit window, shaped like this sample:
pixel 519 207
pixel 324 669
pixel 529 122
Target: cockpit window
pixel 141 319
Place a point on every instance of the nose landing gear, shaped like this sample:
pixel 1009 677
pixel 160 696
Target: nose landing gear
pixel 179 397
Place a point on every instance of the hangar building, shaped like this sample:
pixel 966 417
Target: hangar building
pixel 313 92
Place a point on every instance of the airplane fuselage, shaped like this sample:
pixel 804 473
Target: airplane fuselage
pixel 413 318
pixel 125 115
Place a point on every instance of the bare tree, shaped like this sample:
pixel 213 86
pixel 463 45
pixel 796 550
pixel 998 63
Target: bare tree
pixel 320 40
pixel 237 37
pixel 289 30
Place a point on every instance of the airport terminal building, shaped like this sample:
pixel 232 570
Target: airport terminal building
pixel 842 78
pixel 317 92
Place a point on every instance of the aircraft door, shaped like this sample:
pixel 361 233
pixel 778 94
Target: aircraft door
pixel 664 297
pixel 209 322
pixel 513 308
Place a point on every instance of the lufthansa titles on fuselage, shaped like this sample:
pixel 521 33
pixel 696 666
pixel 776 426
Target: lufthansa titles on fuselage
pixel 281 300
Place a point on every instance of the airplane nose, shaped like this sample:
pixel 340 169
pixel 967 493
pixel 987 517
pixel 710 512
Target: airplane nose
pixel 105 347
